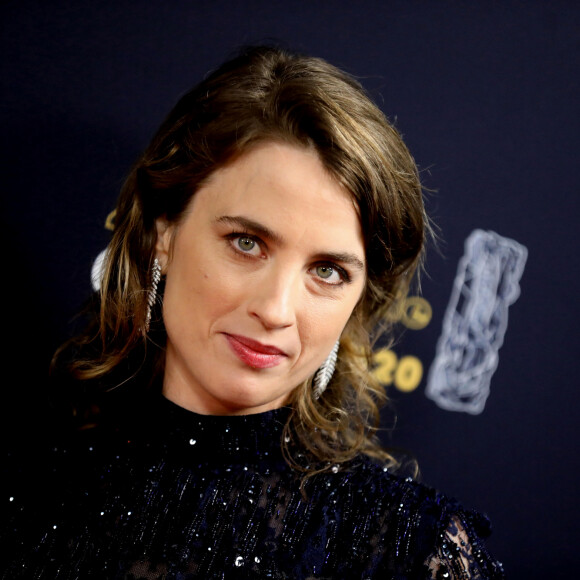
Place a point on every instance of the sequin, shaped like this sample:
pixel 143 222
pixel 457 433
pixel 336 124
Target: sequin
pixel 207 511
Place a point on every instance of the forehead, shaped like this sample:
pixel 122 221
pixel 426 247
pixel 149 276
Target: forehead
pixel 288 190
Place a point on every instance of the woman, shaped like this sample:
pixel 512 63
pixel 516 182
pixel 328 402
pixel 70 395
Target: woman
pixel 267 232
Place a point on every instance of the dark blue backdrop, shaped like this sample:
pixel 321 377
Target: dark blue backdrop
pixel 486 95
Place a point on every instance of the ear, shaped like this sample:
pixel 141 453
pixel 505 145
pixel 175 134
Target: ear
pixel 163 244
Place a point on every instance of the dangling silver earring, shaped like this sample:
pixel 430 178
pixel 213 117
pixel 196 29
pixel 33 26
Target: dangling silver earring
pixel 325 372
pixel 152 292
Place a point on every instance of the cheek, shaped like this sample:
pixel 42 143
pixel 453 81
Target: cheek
pixel 197 291
pixel 322 324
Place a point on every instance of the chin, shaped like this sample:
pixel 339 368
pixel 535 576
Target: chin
pixel 250 400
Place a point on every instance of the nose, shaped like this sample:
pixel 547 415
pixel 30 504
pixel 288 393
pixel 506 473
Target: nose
pixel 274 299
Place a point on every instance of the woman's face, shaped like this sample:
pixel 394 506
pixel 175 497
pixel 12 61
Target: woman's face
pixel 263 273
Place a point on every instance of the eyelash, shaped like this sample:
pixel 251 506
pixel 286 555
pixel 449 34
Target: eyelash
pixel 236 235
pixel 344 275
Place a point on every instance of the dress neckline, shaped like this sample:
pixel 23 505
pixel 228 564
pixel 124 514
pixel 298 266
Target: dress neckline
pixel 254 437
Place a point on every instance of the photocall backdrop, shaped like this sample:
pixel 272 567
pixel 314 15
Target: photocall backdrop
pixel 483 379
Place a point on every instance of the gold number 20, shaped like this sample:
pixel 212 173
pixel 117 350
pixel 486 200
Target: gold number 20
pixel 406 373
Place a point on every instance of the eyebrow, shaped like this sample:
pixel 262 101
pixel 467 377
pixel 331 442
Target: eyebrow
pixel 251 225
pixel 345 258
pixel 266 233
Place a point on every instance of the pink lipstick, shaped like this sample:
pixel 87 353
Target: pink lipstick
pixel 254 353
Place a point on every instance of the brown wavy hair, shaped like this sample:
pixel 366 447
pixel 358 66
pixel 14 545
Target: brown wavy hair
pixel 269 94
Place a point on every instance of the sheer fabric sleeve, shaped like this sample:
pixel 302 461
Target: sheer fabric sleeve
pixel 460 553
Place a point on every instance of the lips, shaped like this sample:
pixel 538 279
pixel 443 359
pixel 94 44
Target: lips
pixel 254 353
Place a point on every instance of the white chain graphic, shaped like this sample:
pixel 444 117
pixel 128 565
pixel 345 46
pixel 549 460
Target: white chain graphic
pixel 486 284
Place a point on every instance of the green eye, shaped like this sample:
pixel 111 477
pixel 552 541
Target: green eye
pixel 324 271
pixel 246 244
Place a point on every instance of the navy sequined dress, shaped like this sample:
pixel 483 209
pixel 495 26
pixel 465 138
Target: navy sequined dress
pixel 191 496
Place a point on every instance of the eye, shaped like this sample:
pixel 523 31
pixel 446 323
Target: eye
pixel 330 274
pixel 246 245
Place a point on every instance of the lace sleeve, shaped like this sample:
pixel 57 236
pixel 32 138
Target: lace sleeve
pixel 461 554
